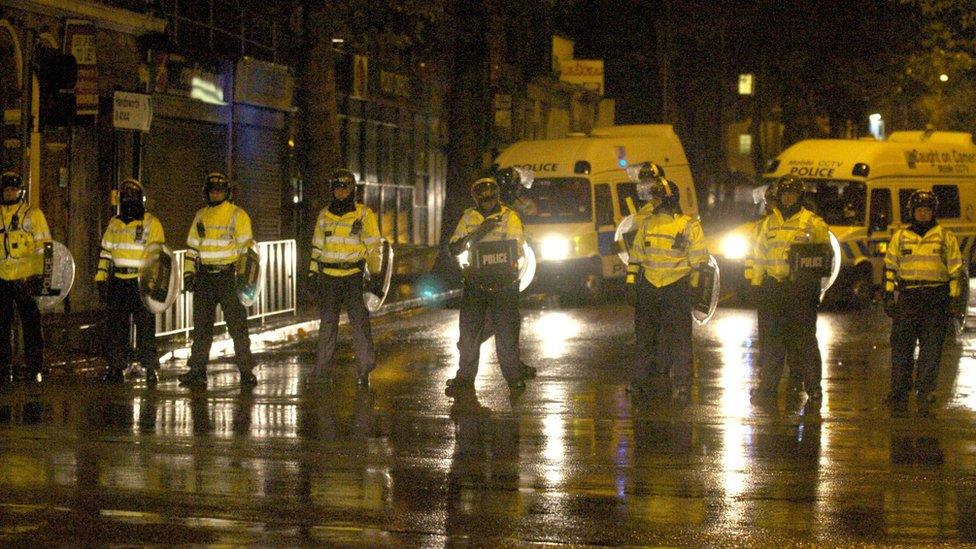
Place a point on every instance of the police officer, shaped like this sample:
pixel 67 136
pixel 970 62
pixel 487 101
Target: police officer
pixel 347 238
pixel 219 237
pixel 24 232
pixel 762 309
pixel 123 247
pixel 489 221
pixel 923 272
pixel 789 301
pixel 509 188
pixel 667 252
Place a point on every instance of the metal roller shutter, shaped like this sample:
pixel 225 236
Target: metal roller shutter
pixel 259 162
pixel 178 155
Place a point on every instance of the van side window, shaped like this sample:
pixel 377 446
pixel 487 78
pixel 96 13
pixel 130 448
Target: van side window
pixel 880 209
pixel 903 194
pixel 623 191
pixel 948 196
pixel 604 205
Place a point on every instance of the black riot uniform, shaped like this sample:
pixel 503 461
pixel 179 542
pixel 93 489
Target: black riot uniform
pixel 491 236
pixel 346 239
pixel 23 231
pixel 923 273
pixel 789 295
pixel 217 241
pixel 123 247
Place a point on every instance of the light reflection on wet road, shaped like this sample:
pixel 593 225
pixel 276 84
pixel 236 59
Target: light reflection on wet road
pixel 572 460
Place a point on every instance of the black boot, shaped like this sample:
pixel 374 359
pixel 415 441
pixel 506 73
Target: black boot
pixel 196 377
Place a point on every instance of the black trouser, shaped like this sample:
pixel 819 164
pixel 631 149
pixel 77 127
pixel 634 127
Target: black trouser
pixel 663 326
pixel 14 292
pixel 763 320
pixel 921 315
pixel 502 305
pixel 212 289
pixel 333 292
pixel 791 332
pixel 123 303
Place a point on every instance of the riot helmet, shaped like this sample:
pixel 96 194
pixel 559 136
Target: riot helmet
pixel 216 181
pixel 923 199
pixel 342 179
pixel 769 198
pixel 789 184
pixel 11 180
pixel 509 184
pixel 484 191
pixel 654 187
pixel 132 199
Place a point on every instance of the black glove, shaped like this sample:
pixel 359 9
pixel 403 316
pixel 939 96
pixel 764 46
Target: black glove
pixel 189 282
pixel 102 288
pixel 889 304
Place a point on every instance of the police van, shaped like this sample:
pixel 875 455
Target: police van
pixel 581 190
pixel 861 189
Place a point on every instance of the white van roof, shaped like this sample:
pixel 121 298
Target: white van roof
pixel 603 149
pixel 904 153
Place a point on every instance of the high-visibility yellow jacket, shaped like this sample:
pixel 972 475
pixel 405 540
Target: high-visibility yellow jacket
pixel 933 259
pixel 341 242
pixel 25 231
pixel 509 226
pixel 219 235
pixel 667 247
pixel 770 252
pixel 124 244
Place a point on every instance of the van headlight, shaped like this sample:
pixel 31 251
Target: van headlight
pixel 734 246
pixel 555 248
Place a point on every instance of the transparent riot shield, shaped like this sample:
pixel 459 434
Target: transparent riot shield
pixel 57 275
pixel 159 279
pixel 960 305
pixel 707 293
pixel 828 281
pixel 623 238
pixel 526 266
pixel 249 275
pixel 379 287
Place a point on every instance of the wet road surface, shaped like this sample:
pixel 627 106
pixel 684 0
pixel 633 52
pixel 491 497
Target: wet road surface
pixel 572 460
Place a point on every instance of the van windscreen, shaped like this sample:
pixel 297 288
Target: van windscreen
pixel 556 200
pixel 838 202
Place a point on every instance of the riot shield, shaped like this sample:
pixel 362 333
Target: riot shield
pixel 526 265
pixel 379 282
pixel 249 275
pixel 707 293
pixel 159 279
pixel 493 264
pixel 828 281
pixel 57 275
pixel 960 306
pixel 624 237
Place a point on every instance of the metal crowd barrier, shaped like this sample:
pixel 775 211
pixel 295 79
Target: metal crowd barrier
pixel 278 294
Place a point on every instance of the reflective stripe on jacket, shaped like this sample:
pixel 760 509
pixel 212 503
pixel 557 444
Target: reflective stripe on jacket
pixel 219 235
pixel 124 244
pixel 770 253
pixel 334 241
pixel 666 248
pixel 25 231
pixel 508 228
pixel 934 258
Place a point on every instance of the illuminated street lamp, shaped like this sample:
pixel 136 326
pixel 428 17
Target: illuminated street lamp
pixel 943 77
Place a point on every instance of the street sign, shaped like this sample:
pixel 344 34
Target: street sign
pixel 131 111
